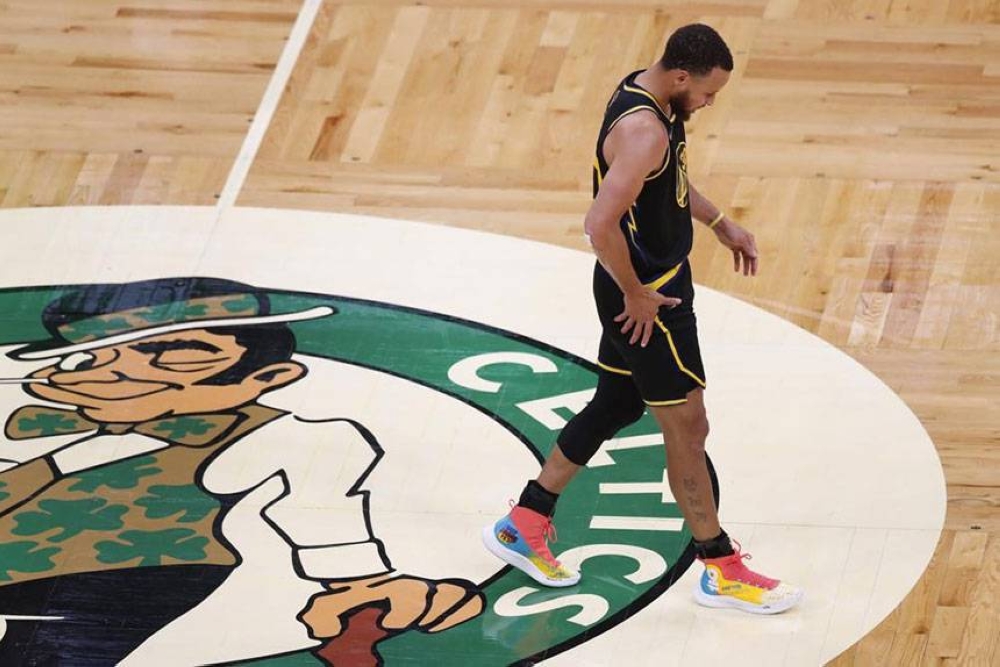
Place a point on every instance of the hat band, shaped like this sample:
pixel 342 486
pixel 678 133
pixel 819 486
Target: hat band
pixel 143 317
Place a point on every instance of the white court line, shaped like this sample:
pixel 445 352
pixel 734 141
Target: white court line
pixel 269 103
pixel 643 523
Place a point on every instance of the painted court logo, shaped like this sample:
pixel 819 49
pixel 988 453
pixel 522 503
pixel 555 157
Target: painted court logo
pixel 152 479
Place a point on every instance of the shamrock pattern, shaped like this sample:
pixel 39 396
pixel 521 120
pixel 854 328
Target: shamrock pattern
pixel 176 311
pixel 124 475
pixel 94 328
pixel 47 424
pixel 187 500
pixel 24 557
pixel 151 547
pixel 182 427
pixel 69 518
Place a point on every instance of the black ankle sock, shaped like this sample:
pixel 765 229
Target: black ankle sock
pixel 536 497
pixel 717 547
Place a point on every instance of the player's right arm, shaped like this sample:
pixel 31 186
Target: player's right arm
pixel 633 149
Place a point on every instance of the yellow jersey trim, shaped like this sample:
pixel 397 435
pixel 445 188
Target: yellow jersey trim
pixel 660 404
pixel 612 369
pixel 677 358
pixel 646 93
pixel 665 278
pixel 630 111
pixel 666 163
pixel 632 226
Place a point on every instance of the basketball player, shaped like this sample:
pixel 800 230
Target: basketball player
pixel 640 227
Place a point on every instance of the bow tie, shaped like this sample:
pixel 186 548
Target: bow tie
pixel 36 421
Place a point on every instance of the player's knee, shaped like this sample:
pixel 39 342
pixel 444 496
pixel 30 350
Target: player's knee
pixel 628 414
pixel 703 429
pixel 617 401
pixel 696 425
pixel 613 408
pixel 596 423
pixel 689 430
pixel 697 433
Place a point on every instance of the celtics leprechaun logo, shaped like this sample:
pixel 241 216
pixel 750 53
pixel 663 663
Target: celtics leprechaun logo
pixel 192 472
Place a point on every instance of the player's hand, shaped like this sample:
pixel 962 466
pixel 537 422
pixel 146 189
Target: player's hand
pixel 741 242
pixel 411 603
pixel 640 312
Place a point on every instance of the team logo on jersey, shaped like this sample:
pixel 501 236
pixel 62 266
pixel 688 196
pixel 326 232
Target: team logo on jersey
pixel 682 175
pixel 150 466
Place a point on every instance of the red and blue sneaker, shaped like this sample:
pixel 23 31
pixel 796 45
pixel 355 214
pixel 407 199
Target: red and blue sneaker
pixel 727 582
pixel 521 539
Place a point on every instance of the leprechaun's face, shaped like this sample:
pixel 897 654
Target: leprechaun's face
pixel 157 377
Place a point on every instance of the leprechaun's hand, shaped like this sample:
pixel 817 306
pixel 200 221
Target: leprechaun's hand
pixel 406 603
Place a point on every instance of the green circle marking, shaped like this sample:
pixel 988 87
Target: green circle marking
pixel 422 347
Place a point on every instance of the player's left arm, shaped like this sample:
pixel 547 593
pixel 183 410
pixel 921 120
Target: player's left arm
pixel 736 238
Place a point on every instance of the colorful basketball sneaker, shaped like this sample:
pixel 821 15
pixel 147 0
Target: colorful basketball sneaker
pixel 521 539
pixel 727 582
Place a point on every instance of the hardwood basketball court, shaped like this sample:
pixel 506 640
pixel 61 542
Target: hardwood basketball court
pixel 858 140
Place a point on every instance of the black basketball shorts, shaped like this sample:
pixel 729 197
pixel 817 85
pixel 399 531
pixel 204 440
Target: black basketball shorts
pixel 670 365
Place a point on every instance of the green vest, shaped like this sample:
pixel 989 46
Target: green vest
pixel 146 510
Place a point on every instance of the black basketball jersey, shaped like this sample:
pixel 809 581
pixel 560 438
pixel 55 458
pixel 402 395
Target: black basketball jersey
pixel 658 224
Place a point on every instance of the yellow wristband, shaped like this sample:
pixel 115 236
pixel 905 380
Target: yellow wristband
pixel 716 220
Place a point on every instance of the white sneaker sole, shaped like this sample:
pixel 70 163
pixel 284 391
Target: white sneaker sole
pixel 728 602
pixel 493 545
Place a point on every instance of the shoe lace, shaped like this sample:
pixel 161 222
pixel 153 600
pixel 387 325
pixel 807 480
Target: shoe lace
pixel 745 574
pixel 541 546
pixel 549 531
pixel 539 541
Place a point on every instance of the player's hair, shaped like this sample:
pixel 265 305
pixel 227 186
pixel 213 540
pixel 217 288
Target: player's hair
pixel 697 49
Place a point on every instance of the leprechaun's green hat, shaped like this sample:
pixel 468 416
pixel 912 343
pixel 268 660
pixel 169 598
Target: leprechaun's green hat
pixel 96 316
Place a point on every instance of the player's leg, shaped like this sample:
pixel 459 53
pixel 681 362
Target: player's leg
pixel 726 580
pixel 685 431
pixel 521 538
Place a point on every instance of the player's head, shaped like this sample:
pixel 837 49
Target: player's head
pixel 699 62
